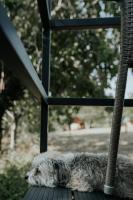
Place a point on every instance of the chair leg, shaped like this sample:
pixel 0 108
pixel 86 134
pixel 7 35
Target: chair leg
pixel 126 60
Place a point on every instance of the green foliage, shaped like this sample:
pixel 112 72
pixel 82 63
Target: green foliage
pixel 13 92
pixel 31 113
pixel 61 115
pixel 25 17
pixel 12 183
pixel 82 62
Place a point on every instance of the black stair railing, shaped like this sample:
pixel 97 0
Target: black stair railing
pixel 126 56
pixel 17 60
pixel 14 55
pixel 48 25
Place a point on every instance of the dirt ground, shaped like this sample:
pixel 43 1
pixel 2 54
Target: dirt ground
pixel 91 142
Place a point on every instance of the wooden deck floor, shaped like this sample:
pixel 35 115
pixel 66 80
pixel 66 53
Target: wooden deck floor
pixel 42 193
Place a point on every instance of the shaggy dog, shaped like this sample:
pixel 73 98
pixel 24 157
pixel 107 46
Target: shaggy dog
pixel 80 171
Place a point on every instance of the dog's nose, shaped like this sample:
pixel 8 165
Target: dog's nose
pixel 26 177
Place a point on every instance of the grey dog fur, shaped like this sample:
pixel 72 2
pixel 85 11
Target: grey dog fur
pixel 81 172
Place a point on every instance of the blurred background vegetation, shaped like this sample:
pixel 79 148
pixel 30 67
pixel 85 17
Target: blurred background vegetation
pixel 83 63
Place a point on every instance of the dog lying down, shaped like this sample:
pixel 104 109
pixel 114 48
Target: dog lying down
pixel 80 171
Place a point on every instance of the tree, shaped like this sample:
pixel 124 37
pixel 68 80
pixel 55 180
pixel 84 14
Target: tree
pixel 82 62
pixel 17 115
pixel 17 10
pixel 12 92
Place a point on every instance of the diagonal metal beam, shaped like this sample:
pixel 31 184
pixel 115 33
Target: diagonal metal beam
pixel 72 24
pixel 14 55
pixel 44 8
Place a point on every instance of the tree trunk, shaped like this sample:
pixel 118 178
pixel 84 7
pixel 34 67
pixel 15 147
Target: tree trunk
pixel 12 136
pixel 13 130
pixel 1 136
pixel 16 128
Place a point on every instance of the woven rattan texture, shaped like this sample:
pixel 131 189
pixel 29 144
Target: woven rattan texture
pixel 127 32
pixel 126 60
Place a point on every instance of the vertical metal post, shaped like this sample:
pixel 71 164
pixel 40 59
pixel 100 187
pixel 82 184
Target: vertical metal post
pixel 46 38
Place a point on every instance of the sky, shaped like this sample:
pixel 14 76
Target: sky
pixel 129 87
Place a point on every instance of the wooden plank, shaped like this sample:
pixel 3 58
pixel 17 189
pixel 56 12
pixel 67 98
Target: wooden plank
pixel 92 23
pixel 62 194
pixel 36 193
pixel 43 193
pixel 31 193
pixel 93 196
pixel 49 194
pixel 13 53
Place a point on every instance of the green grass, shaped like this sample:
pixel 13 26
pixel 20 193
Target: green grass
pixel 12 183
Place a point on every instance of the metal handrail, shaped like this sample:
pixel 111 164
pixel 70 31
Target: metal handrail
pixel 18 61
pixel 78 24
